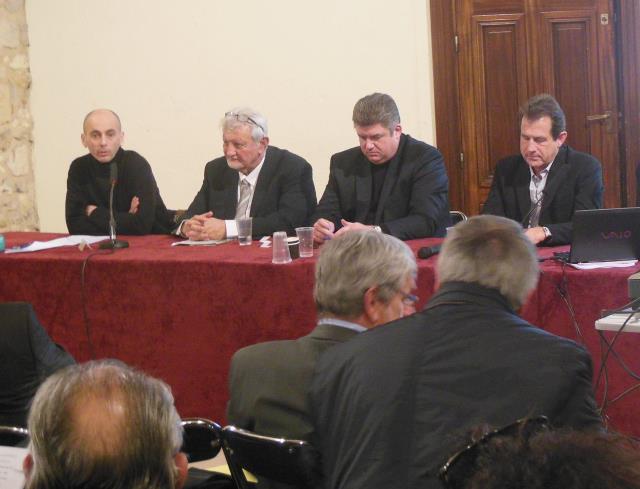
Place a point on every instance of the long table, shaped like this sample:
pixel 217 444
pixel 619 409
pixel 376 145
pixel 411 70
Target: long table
pixel 179 313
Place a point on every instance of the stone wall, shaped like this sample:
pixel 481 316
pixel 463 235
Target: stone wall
pixel 17 184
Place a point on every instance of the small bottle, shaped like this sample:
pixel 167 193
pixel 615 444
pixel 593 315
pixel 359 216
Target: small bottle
pixel 1 243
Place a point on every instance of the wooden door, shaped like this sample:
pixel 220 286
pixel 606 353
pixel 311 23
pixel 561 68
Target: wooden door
pixel 509 50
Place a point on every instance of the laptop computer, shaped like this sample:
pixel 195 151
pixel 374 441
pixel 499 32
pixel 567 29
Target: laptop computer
pixel 605 235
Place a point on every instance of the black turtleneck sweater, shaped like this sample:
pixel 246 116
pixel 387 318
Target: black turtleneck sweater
pixel 88 184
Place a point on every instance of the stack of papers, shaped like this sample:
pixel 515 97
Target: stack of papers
pixel 603 264
pixel 11 475
pixel 74 240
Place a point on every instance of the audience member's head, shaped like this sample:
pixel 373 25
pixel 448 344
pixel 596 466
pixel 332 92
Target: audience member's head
pixel 551 459
pixel 103 424
pixel 491 251
pixel 365 277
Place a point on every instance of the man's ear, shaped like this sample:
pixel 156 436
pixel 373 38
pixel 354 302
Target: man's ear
pixel 562 137
pixel 27 466
pixel 83 140
pixel 264 142
pixel 183 467
pixel 370 309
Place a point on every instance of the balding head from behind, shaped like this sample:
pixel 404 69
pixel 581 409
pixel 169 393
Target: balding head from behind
pixel 103 424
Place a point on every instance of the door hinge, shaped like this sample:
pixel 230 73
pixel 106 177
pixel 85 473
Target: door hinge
pixel 455 42
pixel 461 159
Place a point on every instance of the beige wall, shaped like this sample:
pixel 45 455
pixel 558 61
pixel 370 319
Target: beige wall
pixel 172 68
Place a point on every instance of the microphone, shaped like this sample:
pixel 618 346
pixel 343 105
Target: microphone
pixel 113 243
pixel 429 251
pixel 533 208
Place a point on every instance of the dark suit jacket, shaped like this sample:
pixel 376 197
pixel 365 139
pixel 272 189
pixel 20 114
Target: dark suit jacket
pixel 284 197
pixel 268 382
pixel 27 358
pixel 390 404
pixel 574 183
pixel 414 199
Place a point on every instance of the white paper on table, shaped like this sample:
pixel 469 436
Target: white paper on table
pixel 603 264
pixel 206 242
pixel 11 475
pixel 73 240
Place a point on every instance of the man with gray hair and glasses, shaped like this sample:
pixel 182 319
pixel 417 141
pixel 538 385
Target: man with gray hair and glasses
pixel 387 407
pixel 392 183
pixel 252 179
pixel 362 280
pixel 103 424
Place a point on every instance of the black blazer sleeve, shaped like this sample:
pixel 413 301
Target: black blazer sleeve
pixel 427 204
pixel 284 197
pixel 239 407
pixel 27 358
pixel 578 408
pixel 587 193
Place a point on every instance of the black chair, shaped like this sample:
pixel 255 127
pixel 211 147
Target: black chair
pixel 201 439
pixel 457 216
pixel 13 436
pixel 292 462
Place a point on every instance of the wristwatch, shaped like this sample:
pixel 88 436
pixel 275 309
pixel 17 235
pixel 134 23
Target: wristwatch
pixel 377 229
pixel 547 233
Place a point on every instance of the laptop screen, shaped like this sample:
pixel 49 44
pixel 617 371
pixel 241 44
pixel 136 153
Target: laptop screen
pixel 605 235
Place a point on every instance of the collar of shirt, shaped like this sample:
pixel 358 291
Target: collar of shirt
pixel 538 183
pixel 343 324
pixel 252 177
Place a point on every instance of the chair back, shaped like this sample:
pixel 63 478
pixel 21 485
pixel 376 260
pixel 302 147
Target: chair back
pixel 201 439
pixel 13 436
pixel 457 216
pixel 293 462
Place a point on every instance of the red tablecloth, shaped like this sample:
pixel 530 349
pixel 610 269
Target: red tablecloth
pixel 179 313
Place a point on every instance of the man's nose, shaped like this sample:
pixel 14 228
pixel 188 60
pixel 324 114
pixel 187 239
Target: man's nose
pixel 531 146
pixel 368 144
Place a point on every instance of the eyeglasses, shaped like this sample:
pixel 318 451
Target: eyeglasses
pixel 409 299
pixel 461 466
pixel 244 118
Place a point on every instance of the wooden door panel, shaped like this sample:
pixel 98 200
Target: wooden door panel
pixel 571 78
pixel 492 85
pixel 501 48
pixel 566 38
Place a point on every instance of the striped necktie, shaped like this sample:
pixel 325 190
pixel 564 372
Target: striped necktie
pixel 243 202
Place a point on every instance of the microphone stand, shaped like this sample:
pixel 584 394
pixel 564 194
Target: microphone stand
pixel 113 243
